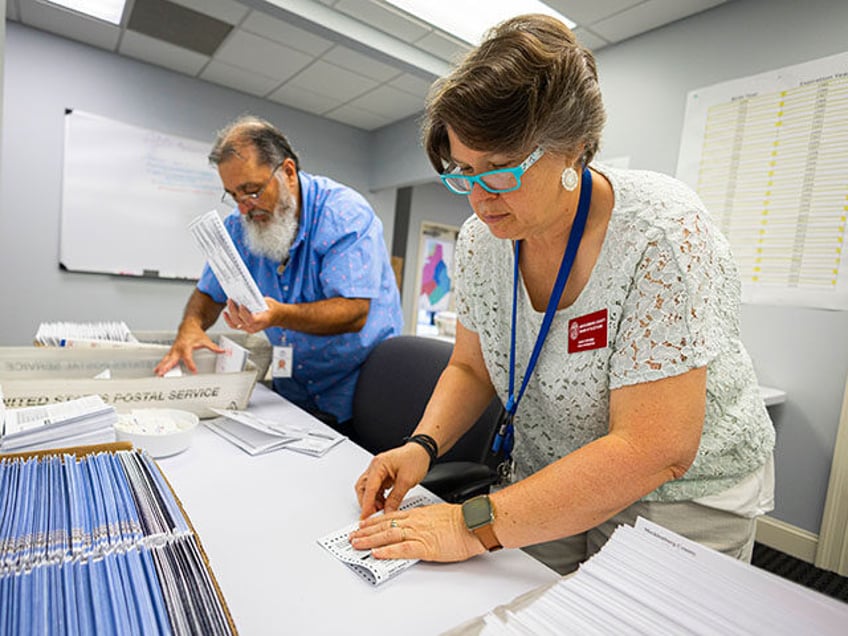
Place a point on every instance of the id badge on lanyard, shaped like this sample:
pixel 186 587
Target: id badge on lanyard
pixel 282 362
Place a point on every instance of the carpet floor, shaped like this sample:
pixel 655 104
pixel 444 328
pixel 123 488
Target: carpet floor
pixel 801 572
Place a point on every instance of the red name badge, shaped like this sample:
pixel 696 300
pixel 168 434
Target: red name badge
pixel 588 332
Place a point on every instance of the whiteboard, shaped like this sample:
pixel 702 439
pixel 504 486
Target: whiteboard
pixel 128 195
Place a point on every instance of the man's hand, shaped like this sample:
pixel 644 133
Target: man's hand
pixel 188 339
pixel 239 317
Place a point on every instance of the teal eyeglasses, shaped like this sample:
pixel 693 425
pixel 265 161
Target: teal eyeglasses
pixel 494 181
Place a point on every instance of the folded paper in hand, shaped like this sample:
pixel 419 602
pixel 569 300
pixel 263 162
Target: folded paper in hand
pixel 217 246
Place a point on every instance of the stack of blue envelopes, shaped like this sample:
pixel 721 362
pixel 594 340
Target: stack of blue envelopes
pixel 97 543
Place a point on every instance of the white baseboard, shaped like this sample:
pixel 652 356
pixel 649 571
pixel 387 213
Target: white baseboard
pixel 787 538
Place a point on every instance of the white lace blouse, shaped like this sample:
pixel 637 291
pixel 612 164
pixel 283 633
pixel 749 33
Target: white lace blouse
pixel 666 278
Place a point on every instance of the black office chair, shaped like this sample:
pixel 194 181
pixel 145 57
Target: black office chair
pixel 394 385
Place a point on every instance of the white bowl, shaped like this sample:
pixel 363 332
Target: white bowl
pixel 161 432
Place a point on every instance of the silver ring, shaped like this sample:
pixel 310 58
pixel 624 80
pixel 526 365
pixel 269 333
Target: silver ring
pixel 394 524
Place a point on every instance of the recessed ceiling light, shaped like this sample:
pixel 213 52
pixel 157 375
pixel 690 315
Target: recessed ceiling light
pixel 106 10
pixel 469 19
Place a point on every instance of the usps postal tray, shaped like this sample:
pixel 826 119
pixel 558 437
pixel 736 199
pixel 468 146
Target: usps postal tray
pixel 31 376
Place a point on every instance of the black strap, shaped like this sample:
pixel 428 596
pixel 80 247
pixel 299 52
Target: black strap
pixel 428 443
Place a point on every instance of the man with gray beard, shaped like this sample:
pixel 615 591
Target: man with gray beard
pixel 316 250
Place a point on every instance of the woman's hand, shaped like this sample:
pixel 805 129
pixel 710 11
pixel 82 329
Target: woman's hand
pixel 430 533
pixel 397 471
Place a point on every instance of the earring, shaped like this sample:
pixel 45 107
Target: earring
pixel 570 179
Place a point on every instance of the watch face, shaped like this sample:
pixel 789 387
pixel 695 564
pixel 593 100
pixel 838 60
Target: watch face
pixel 477 512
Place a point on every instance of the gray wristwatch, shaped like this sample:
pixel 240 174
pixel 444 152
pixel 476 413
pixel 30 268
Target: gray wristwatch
pixel 479 514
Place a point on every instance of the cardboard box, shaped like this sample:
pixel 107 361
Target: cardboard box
pixel 114 447
pixel 30 376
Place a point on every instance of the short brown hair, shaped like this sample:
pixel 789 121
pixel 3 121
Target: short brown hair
pixel 529 83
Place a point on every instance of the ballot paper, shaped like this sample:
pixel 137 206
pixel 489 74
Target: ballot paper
pixel 217 246
pixel 234 358
pixel 649 580
pixel 256 435
pixel 371 570
pixel 253 441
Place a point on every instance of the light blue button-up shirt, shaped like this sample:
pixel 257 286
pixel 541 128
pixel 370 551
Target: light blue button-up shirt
pixel 339 251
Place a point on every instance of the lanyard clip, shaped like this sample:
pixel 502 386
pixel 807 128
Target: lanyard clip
pixel 504 437
pixel 509 440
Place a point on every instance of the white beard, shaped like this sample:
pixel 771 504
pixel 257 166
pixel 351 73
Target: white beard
pixel 273 239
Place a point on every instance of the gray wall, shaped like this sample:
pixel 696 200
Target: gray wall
pixel 2 45
pixel 645 81
pixel 45 74
pixel 802 351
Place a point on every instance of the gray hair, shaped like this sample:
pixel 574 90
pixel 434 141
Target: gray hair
pixel 271 145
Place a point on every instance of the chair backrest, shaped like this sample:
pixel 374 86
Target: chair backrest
pixel 394 386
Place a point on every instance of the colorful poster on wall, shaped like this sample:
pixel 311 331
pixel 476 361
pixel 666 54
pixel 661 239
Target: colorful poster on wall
pixel 434 275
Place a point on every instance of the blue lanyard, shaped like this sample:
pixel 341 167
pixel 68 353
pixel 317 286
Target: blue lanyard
pixel 506 432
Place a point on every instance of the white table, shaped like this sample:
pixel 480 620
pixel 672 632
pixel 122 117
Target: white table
pixel 772 396
pixel 258 519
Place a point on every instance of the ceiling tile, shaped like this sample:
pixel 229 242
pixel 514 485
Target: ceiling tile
pixel 303 99
pixel 585 12
pixel 590 40
pixel 356 117
pixel 268 57
pixel 227 11
pixel 648 15
pixel 162 53
pixel 238 78
pixel 69 24
pixel 412 84
pixel 362 64
pixel 257 54
pixel 178 25
pixel 387 19
pixel 443 46
pixel 389 102
pixel 332 81
pixel 284 33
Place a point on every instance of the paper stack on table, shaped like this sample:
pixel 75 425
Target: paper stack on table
pixel 649 580
pixel 255 435
pixel 85 420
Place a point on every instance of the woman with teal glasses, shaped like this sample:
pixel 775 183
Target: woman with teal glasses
pixel 601 306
